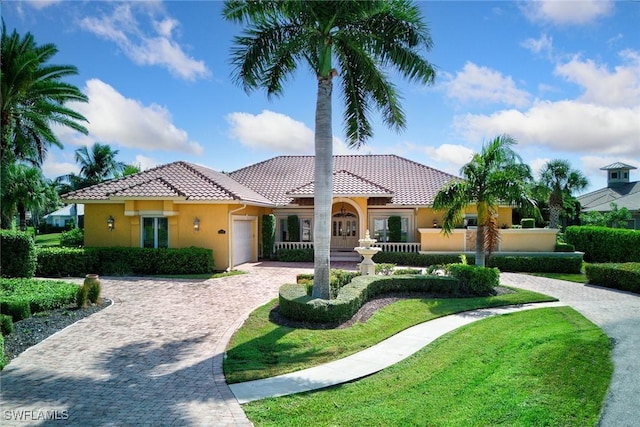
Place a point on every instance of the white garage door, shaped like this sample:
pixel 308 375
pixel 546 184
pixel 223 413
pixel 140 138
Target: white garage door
pixel 241 241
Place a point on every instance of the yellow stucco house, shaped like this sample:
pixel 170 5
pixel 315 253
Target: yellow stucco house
pixel 182 204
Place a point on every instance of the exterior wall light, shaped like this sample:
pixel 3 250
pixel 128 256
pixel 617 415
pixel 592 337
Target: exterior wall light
pixel 111 223
pixel 435 223
pixel 196 224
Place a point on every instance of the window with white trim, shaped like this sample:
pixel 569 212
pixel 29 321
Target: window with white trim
pixel 381 228
pixel 155 232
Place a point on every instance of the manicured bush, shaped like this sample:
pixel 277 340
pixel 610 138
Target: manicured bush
pixel 21 297
pixel 293 228
pixel 416 259
pixel 602 244
pixel 3 358
pixel 82 294
pixel 528 222
pixel 337 279
pixel 295 304
pixel 564 247
pixel 625 276
pixel 475 280
pixel 395 228
pixel 73 238
pixel 111 261
pixel 295 255
pixel 401 271
pixel 6 324
pixel 18 254
pixel 268 235
pixel 93 290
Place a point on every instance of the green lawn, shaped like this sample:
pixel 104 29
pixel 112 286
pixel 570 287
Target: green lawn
pixel 51 239
pixel 261 349
pixel 545 367
pixel 577 278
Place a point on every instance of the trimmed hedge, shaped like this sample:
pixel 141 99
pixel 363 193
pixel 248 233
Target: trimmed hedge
pixel 475 280
pixel 564 247
pixel 73 238
pixel 625 276
pixel 295 255
pixel 528 223
pixel 3 358
pixel 62 262
pixel 602 244
pixel 295 304
pixel 562 263
pixel 18 254
pixel 20 297
pixel 268 234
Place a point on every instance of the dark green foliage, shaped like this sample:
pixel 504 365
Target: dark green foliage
pixel 18 309
pixel 293 228
pixel 3 358
pixel 18 254
pixel 565 247
pixel 21 297
pixel 569 263
pixel 401 271
pixel 395 228
pixel 337 279
pixel 93 290
pixel 62 262
pixel 295 255
pixel 625 276
pixel 295 304
pixel 6 324
pixel 475 280
pixel 561 263
pixel 268 235
pixel 82 294
pixel 601 244
pixel 528 222
pixel 73 238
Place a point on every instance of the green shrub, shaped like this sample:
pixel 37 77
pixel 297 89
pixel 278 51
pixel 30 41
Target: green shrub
pixel 3 358
pixel 475 280
pixel 295 255
pixel 93 290
pixel 73 238
pixel 564 247
pixel 416 259
pixel 82 295
pixel 293 228
pixel 337 279
pixel 401 271
pixel 6 324
pixel 113 261
pixel 625 276
pixel 18 309
pixel 395 228
pixel 385 268
pixel 268 235
pixel 18 254
pixel 295 304
pixel 21 297
pixel 528 222
pixel 601 244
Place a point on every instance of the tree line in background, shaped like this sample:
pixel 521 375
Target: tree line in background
pixel 34 96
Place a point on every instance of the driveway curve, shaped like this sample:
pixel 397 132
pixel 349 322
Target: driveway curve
pixel 153 358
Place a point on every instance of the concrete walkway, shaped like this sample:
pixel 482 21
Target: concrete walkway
pixel 155 356
pixel 371 360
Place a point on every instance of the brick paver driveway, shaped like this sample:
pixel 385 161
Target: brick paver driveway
pixel 153 358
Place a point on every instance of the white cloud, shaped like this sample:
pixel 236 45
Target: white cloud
pixel 145 162
pixel 451 154
pixel 42 4
pixel 271 131
pixel 475 83
pixel 620 88
pixel 541 46
pixel 114 119
pixel 53 167
pixel 156 48
pixel 567 12
pixel 563 125
pixel 591 164
pixel 537 165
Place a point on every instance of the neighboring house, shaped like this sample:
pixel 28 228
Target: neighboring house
pixel 65 215
pixel 182 204
pixel 620 190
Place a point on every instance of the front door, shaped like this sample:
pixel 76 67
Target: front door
pixel 344 230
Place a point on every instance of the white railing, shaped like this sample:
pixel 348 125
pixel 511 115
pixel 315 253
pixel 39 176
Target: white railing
pixel 398 247
pixel 292 245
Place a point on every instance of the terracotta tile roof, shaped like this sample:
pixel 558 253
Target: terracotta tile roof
pixel 411 183
pixel 346 184
pixel 180 180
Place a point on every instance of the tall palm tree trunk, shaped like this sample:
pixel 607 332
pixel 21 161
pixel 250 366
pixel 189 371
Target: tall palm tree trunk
pixel 323 194
pixel 483 211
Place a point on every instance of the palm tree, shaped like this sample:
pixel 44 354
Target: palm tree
pixel 33 98
pixel 25 189
pixel 495 175
pixel 98 164
pixel 366 40
pixel 558 181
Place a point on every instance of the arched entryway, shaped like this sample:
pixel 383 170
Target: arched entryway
pixel 345 226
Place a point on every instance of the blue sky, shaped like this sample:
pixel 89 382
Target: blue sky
pixel 562 77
